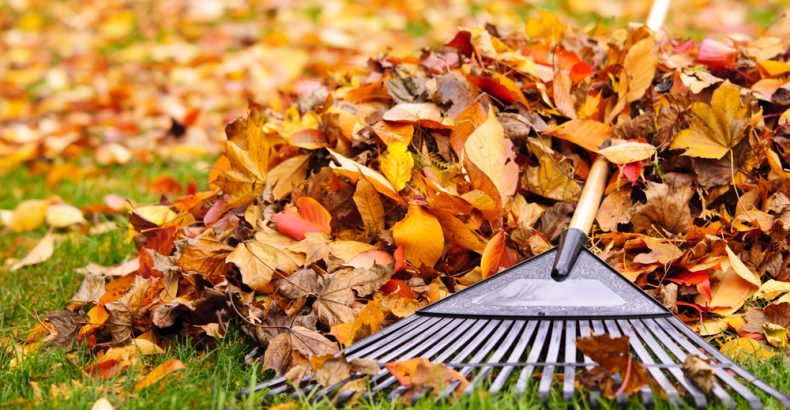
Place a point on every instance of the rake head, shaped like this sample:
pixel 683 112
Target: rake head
pixel 520 328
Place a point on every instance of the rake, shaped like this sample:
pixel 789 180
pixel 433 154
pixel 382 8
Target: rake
pixel 519 326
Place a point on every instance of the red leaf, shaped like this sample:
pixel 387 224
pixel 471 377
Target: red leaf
pixel 398 287
pixel 307 216
pixel 400 258
pixel 699 278
pixel 462 42
pixel 632 171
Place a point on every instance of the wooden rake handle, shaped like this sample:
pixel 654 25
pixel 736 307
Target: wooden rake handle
pixel 573 239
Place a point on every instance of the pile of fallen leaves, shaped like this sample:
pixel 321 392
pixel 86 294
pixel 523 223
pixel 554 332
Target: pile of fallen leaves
pixel 389 188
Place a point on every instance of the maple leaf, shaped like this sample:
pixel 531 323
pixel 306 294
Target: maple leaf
pixel 285 176
pixel 366 323
pixel 616 208
pixel 666 206
pixel 258 259
pixel 334 299
pixel 207 256
pixel 550 179
pixel 249 152
pixel 295 346
pixel 716 127
pixel 419 373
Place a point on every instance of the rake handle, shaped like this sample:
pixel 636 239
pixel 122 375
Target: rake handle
pixel 573 239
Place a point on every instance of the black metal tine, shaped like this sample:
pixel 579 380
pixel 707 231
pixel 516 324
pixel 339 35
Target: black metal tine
pixel 726 377
pixel 386 344
pixel 387 331
pixel 569 372
pixel 698 396
pixel 671 345
pixel 485 338
pixel 738 370
pixel 660 378
pixel 534 355
pixel 498 355
pixel 586 331
pixel 515 355
pixel 463 331
pixel 547 375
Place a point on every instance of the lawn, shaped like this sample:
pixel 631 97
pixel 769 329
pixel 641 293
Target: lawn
pixel 215 369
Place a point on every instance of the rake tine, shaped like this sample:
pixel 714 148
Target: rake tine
pixel 660 378
pixel 658 350
pixel 484 336
pixel 385 344
pixel 334 387
pixel 498 354
pixel 551 356
pixel 622 399
pixel 387 331
pixel 585 331
pixel 597 326
pixel 489 345
pixel 343 397
pixel 465 335
pixel 727 378
pixel 722 395
pixel 569 373
pixel 784 400
pixel 534 355
pixel 515 355
pixel 408 351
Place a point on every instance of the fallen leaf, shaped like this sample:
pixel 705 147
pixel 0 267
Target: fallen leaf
pixel 421 236
pixel 716 127
pixel 699 372
pixel 614 356
pixel 258 259
pixel 63 215
pixel 551 179
pixel 419 373
pixel 744 349
pixel 308 215
pixel 396 164
pixel 627 152
pixel 285 176
pixel 667 206
pixel 616 208
pixel 102 404
pixel 369 206
pixel 492 153
pixel 639 67
pixel 40 253
pixel 588 134
pixel 158 373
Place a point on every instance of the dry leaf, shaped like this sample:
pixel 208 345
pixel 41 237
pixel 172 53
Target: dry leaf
pixel 421 236
pixel 40 253
pixel 489 150
pixel 396 164
pixel 158 373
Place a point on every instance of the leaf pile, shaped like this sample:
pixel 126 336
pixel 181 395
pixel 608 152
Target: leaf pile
pixel 398 185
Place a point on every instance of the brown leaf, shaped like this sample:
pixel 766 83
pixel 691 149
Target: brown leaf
pixel 64 326
pixel 613 355
pixel 667 206
pixel 419 373
pixel 206 255
pixel 258 259
pixel 334 300
pixel 369 206
pixel 293 346
pixel 616 208
pixel 552 177
pixel 699 372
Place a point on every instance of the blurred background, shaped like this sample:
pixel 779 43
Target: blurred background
pixel 117 81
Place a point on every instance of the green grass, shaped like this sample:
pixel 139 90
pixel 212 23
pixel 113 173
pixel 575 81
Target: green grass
pixel 215 369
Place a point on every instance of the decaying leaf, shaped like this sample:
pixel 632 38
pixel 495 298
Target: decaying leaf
pixel 613 356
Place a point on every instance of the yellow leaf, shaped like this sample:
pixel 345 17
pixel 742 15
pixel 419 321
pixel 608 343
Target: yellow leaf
pixel 548 179
pixel 716 127
pixel 588 134
pixel 736 285
pixel 545 27
pixel 352 170
pixel 774 67
pixel 627 152
pixel 28 215
pixel 159 373
pixel 772 289
pixel 396 165
pixel 421 236
pixel 744 348
pixel 40 253
pixel 640 67
pixel 459 233
pixel 775 334
pixel 63 215
pixel 259 258
pixel 369 206
pixel 741 269
pixel 288 174
pixel 489 150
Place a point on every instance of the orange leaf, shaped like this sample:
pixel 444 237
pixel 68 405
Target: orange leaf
pixel 158 373
pixel 495 256
pixel 308 216
pixel 421 236
pixel 588 134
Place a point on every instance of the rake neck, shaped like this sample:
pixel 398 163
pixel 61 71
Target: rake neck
pixel 575 236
